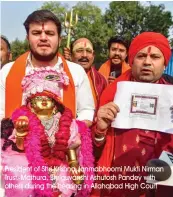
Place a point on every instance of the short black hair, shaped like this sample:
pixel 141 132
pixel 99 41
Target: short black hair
pixel 119 40
pixel 42 16
pixel 7 42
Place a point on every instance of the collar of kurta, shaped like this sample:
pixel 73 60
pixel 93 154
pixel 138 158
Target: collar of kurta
pixel 106 68
pixel 13 92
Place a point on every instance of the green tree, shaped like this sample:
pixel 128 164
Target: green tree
pixel 132 18
pixel 90 24
pixel 122 18
pixel 19 47
pixel 57 8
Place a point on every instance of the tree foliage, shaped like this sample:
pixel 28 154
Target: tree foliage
pixel 19 47
pixel 132 18
pixel 123 18
pixel 90 24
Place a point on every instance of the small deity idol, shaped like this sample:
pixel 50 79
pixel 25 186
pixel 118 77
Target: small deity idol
pixel 48 145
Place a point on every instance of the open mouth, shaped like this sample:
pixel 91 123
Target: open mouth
pixel 83 60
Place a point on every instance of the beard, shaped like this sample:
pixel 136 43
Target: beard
pixel 44 57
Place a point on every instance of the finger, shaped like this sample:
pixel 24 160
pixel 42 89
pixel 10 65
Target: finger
pixel 110 81
pixel 113 107
pixel 106 115
pixel 111 77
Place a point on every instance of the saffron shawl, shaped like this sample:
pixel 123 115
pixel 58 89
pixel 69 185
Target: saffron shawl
pixel 13 86
pixel 99 83
pixel 106 67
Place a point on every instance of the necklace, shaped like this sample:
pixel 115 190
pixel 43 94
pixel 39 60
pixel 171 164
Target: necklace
pixel 47 123
pixel 51 126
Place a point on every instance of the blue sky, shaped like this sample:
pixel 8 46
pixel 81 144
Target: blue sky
pixel 14 13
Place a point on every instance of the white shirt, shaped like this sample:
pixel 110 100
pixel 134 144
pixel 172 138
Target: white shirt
pixel 84 99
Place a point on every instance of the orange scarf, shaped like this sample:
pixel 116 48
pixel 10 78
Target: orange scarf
pixel 92 87
pixel 106 67
pixel 13 94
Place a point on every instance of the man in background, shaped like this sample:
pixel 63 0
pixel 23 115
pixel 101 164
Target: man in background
pixel 5 55
pixel 82 52
pixel 116 64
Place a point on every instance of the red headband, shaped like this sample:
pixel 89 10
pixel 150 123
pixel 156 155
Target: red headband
pixel 150 38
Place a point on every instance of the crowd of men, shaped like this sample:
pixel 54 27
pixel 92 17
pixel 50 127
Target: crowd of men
pixel 90 94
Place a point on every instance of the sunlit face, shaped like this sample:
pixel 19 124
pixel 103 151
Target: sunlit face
pixel 117 53
pixel 83 53
pixel 148 64
pixel 43 40
pixel 42 104
pixel 5 53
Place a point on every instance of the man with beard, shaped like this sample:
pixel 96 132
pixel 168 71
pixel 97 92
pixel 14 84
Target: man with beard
pixel 116 64
pixel 82 52
pixel 149 54
pixel 43 33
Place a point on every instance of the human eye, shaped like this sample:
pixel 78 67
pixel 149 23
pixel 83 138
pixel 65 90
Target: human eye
pixel 89 51
pixel 50 33
pixel 155 56
pixel 114 49
pixel 79 50
pixel 36 33
pixel 141 56
pixel 122 50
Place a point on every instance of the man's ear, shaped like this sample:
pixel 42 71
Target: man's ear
pixel 10 56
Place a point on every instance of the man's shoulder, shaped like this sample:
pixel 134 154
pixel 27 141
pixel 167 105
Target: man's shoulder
pixel 75 67
pixel 73 64
pixel 6 68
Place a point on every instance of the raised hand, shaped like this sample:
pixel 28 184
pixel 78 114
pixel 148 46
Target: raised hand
pixel 106 115
pixel 67 53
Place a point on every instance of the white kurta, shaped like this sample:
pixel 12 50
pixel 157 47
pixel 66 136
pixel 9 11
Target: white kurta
pixel 84 100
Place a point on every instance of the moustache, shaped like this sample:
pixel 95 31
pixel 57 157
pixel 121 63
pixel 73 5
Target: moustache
pixel 117 56
pixel 83 60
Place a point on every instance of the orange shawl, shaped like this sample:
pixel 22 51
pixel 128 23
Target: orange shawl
pixel 13 94
pixel 106 67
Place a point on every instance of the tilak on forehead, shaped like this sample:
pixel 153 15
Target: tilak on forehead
pixel 117 45
pixel 149 50
pixel 82 44
pixel 43 26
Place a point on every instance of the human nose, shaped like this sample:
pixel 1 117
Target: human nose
pixel 147 60
pixel 43 36
pixel 84 53
pixel 117 52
